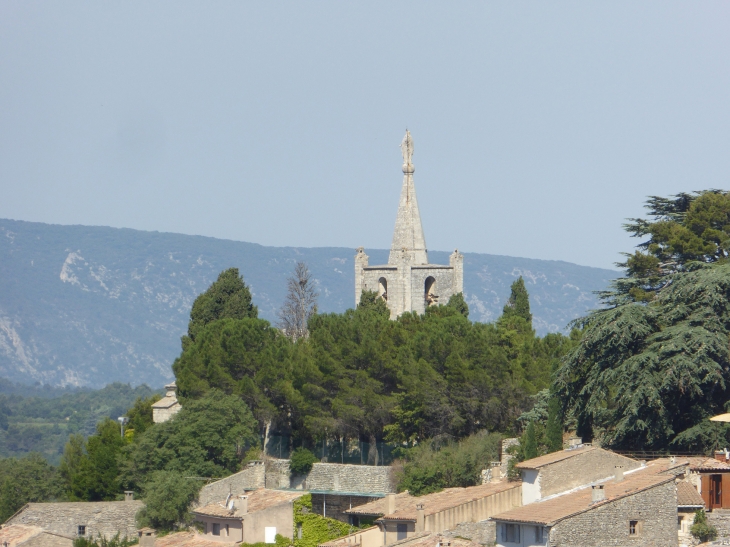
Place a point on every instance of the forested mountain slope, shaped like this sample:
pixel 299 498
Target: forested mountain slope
pixel 84 305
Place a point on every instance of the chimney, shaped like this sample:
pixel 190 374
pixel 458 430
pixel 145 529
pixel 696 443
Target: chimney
pixel 597 493
pixel 241 505
pixel 147 537
pixel 420 518
pixel 128 495
pixel 618 473
pixel 721 455
pixel 389 504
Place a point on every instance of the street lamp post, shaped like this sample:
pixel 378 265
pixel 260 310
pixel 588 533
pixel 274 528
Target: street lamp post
pixel 122 420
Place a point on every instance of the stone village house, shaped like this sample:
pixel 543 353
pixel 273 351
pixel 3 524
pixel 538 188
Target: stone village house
pixel 83 518
pixel 399 517
pixel 251 518
pixel 638 509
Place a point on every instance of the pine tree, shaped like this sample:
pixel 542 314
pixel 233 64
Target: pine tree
pixel 458 303
pixel 519 302
pixel 554 426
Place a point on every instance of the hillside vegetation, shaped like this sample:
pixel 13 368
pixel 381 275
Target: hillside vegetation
pixel 86 306
pixel 41 419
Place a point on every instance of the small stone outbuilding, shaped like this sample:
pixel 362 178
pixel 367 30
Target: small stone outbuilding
pixel 168 406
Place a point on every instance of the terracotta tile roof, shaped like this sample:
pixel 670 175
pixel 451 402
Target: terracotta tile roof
pixel 707 464
pixel 189 539
pixel 257 500
pixel 436 540
pixel 377 507
pixel 166 402
pixel 688 496
pixel 351 540
pixel 547 459
pixel 553 510
pixel 17 533
pixel 405 504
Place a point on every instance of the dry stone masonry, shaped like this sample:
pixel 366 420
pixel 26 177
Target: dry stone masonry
pixel 363 480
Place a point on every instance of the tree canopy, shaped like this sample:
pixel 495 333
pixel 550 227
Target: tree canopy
pixel 227 297
pixel 359 375
pixel 653 366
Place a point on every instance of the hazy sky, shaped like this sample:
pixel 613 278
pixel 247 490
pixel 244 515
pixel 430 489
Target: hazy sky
pixel 538 127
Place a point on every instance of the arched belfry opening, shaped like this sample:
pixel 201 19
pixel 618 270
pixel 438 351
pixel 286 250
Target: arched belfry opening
pixel 429 292
pixel 383 288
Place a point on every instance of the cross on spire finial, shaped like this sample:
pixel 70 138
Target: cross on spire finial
pixel 406 147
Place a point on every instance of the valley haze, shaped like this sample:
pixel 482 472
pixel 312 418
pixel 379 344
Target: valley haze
pixel 86 306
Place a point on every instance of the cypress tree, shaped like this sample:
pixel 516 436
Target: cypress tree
pixel 519 302
pixel 554 426
pixel 530 442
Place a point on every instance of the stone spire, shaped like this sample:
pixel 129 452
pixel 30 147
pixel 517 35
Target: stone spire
pixel 409 243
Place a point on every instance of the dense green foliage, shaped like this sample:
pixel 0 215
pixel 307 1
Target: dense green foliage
pixel 653 366
pixel 27 479
pixel 529 442
pixel 167 495
pixel 681 230
pixel 279 541
pixel 100 541
pixel 433 466
pixel 701 529
pixel 301 461
pixel 316 529
pixel 228 297
pixel 207 438
pixel 41 419
pixel 554 426
pixel 361 376
pixel 93 470
pixel 519 302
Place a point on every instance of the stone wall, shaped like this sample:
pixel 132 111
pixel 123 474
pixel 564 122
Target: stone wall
pixel 332 477
pixel 278 474
pixel 654 508
pixel 105 518
pixel 360 479
pixel 483 532
pixel 251 478
pixel 324 477
pixel 581 469
pixel 720 519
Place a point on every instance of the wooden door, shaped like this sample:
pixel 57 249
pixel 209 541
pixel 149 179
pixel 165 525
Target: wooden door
pixel 726 490
pixel 705 489
pixel 715 491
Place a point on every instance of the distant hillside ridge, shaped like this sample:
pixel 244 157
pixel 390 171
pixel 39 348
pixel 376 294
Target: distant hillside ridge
pixel 88 305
